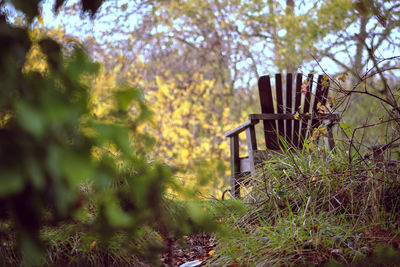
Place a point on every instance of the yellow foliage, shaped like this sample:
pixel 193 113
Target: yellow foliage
pixel 190 122
pixel 35 60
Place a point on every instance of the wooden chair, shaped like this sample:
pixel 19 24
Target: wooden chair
pixel 288 121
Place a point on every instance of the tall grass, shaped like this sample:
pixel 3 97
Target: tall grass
pixel 313 207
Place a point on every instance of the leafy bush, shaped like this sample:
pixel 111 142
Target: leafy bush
pixel 58 163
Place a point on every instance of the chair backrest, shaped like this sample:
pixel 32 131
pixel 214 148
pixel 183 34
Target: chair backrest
pixel 293 132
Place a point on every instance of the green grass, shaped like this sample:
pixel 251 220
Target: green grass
pixel 305 208
pixel 72 244
pixel 78 243
pixel 313 208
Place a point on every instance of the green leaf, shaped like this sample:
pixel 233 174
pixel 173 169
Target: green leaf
pixel 32 250
pixel 77 167
pixel 29 118
pixel 145 113
pixel 10 183
pixel 35 173
pixel 103 181
pixel 196 212
pixel 79 64
pixel 104 132
pixel 52 161
pixel 125 97
pixel 65 198
pixel 116 216
pixel 346 128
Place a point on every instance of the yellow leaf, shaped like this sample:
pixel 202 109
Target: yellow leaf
pixel 40 19
pixel 343 77
pixel 223 146
pixel 322 109
pixel 93 244
pixel 332 101
pixel 314 179
pixel 211 252
pixel 184 153
pixel 325 80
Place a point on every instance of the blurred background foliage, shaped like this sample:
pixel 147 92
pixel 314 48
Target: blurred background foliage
pixel 66 156
pixel 198 64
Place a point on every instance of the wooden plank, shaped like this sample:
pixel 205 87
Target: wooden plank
pixel 296 124
pixel 331 142
pixel 325 90
pixel 306 109
pixel 279 100
pixel 307 102
pixel 235 165
pixel 265 92
pixel 289 108
pixel 246 166
pixel 330 116
pixel 251 144
pixel 271 116
pixel 251 138
pixel 318 99
pixel 241 128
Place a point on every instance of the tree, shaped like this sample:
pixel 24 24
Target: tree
pixel 231 43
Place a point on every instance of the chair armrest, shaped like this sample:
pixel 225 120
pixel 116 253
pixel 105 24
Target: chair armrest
pixel 241 128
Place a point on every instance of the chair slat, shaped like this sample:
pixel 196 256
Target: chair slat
pixel 279 100
pixel 306 108
pixel 325 94
pixel 318 99
pixel 296 124
pixel 289 109
pixel 264 89
pixel 285 122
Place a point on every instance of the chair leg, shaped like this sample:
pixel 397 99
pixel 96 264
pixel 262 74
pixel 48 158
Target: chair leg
pixel 235 166
pixel 331 141
pixel 251 146
pixel 235 187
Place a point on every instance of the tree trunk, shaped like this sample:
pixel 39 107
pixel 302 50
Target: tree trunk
pixel 291 63
pixel 361 37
